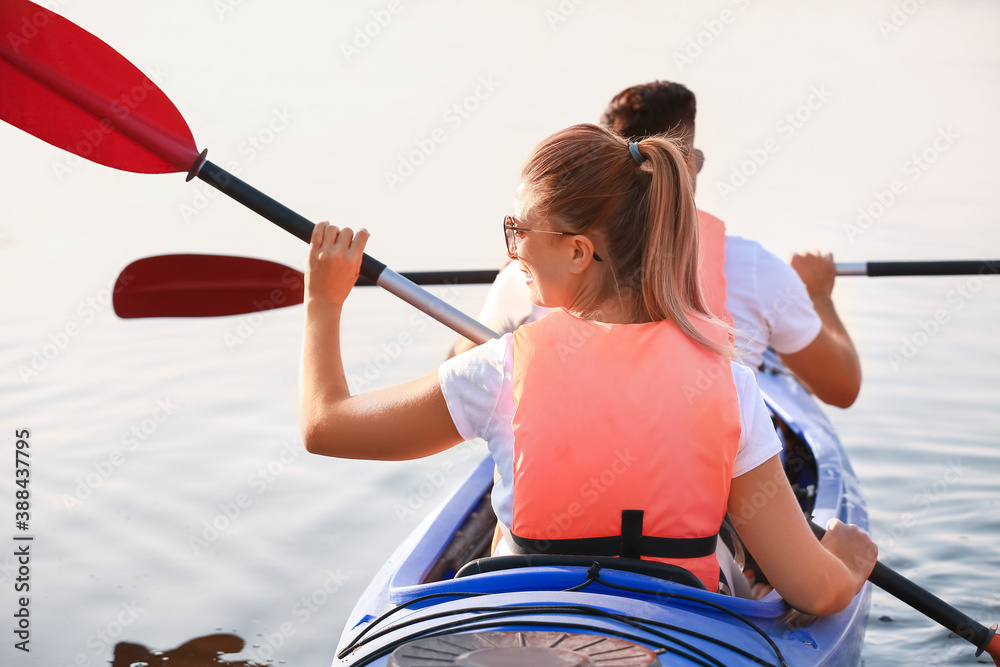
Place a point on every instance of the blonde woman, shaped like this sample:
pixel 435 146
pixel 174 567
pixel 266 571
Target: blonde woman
pixel 604 440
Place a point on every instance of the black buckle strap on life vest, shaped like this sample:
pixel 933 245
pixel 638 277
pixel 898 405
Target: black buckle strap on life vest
pixel 631 534
pixel 631 543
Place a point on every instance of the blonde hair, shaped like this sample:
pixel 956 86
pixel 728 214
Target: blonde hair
pixel 585 178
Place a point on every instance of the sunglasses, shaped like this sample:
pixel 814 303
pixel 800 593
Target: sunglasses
pixel 511 230
pixel 699 160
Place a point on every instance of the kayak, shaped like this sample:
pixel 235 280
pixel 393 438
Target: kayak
pixel 440 600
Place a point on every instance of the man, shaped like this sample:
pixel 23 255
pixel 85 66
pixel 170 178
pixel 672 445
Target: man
pixel 771 304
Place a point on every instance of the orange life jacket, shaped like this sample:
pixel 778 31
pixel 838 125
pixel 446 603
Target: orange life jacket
pixel 712 264
pixel 624 441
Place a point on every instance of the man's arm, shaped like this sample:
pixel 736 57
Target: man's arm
pixel 828 366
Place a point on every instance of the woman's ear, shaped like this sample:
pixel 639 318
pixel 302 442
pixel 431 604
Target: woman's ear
pixel 583 253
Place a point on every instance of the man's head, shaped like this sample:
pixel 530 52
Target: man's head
pixel 652 108
pixel 659 107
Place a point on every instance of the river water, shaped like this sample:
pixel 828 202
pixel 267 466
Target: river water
pixel 170 497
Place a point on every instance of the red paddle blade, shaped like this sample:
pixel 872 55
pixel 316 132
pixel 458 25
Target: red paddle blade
pixel 67 87
pixel 993 649
pixel 204 286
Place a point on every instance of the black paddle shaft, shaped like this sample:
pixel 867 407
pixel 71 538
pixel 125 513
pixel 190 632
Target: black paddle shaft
pixel 926 603
pixel 934 268
pixel 470 277
pixel 372 269
pixel 932 606
pixel 274 211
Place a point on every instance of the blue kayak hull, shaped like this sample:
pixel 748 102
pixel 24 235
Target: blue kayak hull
pixel 413 614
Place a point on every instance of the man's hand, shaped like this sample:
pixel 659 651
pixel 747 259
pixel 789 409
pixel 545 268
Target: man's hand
pixel 829 366
pixel 817 271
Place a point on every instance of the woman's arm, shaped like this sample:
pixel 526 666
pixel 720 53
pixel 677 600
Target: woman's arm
pixel 402 422
pixel 815 577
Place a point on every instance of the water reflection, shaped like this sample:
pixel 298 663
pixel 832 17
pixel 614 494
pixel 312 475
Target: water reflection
pixel 208 650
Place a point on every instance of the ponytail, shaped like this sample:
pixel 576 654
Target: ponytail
pixel 590 180
pixel 671 288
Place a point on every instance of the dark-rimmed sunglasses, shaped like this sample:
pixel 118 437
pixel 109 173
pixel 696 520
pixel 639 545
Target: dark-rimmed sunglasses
pixel 699 160
pixel 510 226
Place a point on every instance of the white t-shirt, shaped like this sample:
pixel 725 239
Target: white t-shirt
pixel 478 388
pixel 768 301
pixel 765 296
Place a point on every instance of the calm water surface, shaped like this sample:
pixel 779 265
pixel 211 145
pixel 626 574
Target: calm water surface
pixel 171 499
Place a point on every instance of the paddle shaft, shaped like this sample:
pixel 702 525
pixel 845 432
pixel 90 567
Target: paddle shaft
pixel 469 277
pixel 928 268
pixel 212 285
pixel 926 603
pixel 372 269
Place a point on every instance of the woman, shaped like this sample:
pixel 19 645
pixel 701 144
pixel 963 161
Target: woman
pixel 597 446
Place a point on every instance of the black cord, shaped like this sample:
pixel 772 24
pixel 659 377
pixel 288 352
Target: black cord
pixel 448 630
pixel 592 573
pixel 375 622
pixel 492 613
pixel 593 576
pixel 680 596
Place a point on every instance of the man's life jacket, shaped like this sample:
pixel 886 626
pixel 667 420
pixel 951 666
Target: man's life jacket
pixel 712 264
pixel 624 441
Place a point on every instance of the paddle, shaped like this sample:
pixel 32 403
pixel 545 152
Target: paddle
pixel 963 267
pixel 939 611
pixel 67 87
pixel 212 285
